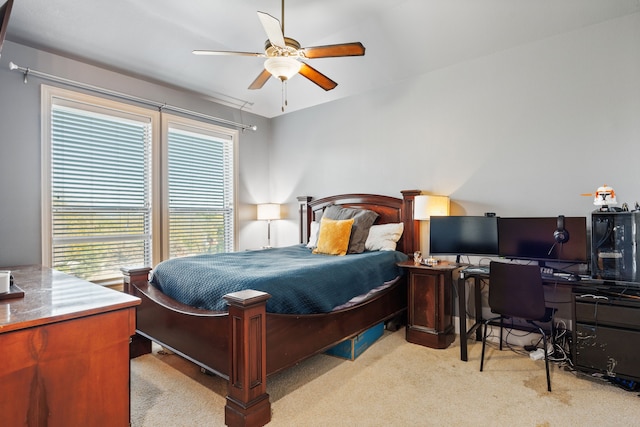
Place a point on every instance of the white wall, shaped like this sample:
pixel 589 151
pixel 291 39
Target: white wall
pixel 20 171
pixel 521 132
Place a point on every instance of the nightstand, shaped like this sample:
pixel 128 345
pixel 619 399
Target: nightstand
pixel 430 304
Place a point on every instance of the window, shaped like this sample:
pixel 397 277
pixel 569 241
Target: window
pixel 200 187
pixel 108 199
pixel 96 185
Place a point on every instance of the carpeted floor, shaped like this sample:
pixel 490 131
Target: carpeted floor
pixel 393 383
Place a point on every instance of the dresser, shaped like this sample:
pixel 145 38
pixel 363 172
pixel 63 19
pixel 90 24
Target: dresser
pixel 64 351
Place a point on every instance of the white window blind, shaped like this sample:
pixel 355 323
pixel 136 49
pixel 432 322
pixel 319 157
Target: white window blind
pixel 200 191
pixel 100 191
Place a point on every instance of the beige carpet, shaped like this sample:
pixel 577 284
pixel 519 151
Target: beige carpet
pixel 393 383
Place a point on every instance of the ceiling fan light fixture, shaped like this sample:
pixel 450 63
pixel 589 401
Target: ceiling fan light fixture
pixel 282 67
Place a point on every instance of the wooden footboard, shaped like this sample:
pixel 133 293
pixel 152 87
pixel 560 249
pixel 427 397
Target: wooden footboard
pixel 231 344
pixel 202 336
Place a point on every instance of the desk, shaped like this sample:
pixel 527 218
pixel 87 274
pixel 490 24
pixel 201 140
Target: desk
pixel 615 304
pixel 477 277
pixel 65 351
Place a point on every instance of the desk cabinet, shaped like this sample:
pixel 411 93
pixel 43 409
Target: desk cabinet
pixel 607 335
pixel 430 306
pixel 65 352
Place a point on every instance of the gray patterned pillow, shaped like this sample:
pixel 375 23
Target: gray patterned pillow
pixel 363 219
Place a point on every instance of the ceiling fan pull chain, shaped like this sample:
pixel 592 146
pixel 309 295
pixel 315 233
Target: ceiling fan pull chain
pixel 284 94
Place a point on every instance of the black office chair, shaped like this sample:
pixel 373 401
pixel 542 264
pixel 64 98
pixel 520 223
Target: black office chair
pixel 515 290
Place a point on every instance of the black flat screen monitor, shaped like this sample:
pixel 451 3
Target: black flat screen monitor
pixel 463 235
pixel 533 239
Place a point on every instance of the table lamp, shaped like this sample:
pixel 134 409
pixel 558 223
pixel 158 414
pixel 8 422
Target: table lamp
pixel 427 206
pixel 424 207
pixel 268 212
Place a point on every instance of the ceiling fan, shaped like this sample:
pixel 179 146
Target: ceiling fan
pixel 285 55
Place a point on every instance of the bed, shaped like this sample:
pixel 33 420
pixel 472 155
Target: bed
pixel 246 342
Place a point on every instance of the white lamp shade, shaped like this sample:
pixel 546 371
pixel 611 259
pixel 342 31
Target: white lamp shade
pixel 268 211
pixel 282 67
pixel 424 207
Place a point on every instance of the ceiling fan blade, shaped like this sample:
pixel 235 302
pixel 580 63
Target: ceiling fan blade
pixel 317 77
pixel 260 80
pixel 344 49
pixel 272 28
pixel 225 52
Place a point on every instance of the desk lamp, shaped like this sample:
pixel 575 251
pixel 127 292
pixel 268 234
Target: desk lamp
pixel 268 212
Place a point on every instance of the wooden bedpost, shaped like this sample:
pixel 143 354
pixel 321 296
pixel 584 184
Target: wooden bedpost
pixel 247 399
pixel 304 217
pixel 412 241
pixel 138 345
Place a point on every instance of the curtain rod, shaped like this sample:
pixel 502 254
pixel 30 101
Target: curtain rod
pixel 28 71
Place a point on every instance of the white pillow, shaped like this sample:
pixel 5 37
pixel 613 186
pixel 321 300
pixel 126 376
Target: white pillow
pixel 384 237
pixel 313 235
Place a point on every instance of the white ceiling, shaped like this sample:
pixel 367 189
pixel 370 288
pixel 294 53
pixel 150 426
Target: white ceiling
pixel 403 38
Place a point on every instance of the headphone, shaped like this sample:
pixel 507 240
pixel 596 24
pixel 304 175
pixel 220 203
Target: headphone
pixel 561 235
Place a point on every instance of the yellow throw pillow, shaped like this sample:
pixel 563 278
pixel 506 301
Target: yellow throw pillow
pixel 333 238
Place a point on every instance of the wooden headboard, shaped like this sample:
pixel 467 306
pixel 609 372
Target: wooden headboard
pixel 389 209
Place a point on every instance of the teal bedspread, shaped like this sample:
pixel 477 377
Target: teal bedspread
pixel 298 281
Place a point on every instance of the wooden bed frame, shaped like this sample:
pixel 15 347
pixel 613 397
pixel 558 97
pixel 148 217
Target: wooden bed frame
pixel 246 344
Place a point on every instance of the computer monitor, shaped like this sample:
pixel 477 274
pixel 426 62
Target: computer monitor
pixel 535 239
pixel 463 235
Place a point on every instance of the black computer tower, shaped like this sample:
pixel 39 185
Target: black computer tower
pixel 614 245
